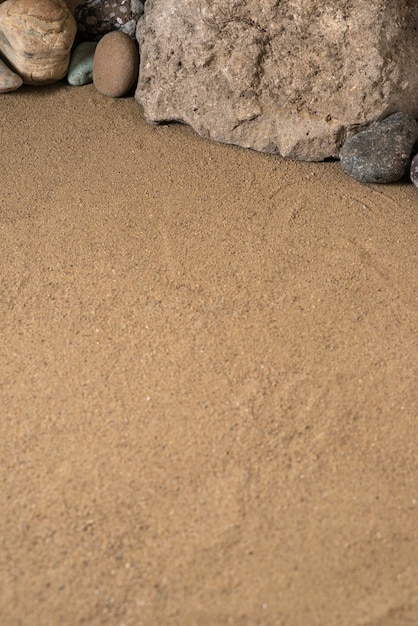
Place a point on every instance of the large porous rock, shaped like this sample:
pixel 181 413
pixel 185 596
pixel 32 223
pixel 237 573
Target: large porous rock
pixel 36 38
pixel 295 77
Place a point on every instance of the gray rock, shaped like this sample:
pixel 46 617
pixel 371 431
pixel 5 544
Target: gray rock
pixel 414 170
pixel 9 81
pixel 80 71
pixel 95 18
pixel 381 153
pixel 295 77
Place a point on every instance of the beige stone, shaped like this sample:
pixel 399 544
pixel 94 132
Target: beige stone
pixel 36 38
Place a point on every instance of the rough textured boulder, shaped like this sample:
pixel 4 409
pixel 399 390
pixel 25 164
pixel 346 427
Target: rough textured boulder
pixel 290 77
pixel 36 38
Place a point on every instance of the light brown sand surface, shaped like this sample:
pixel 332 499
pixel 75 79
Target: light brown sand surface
pixel 208 379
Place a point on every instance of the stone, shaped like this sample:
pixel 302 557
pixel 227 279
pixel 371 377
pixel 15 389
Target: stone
pixel 95 18
pixel 9 81
pixel 80 71
pixel 414 170
pixel 295 77
pixel 381 153
pixel 115 64
pixel 36 38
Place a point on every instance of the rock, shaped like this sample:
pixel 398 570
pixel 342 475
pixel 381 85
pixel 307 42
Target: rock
pixel 9 81
pixel 414 170
pixel 36 38
pixel 381 153
pixel 95 18
pixel 295 77
pixel 115 64
pixel 80 71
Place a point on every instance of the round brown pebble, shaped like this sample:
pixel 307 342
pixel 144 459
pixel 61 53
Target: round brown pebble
pixel 115 64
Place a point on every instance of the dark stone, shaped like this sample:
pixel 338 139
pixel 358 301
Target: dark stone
pixel 414 170
pixel 95 18
pixel 381 153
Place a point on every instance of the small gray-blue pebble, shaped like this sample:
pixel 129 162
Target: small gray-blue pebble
pixel 414 170
pixel 80 71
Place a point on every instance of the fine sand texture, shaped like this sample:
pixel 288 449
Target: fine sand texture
pixel 208 378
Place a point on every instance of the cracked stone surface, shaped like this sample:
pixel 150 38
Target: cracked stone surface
pixel 36 39
pixel 289 77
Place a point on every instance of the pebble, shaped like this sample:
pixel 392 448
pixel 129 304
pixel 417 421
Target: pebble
pixel 80 71
pixel 414 170
pixel 95 18
pixel 115 64
pixel 382 152
pixel 9 81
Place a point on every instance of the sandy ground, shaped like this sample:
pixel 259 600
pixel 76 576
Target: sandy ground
pixel 208 379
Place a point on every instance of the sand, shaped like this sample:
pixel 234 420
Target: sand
pixel 209 378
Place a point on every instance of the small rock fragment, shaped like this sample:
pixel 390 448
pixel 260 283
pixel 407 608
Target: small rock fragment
pixel 80 71
pixel 95 18
pixel 414 170
pixel 115 64
pixel 381 153
pixel 9 81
